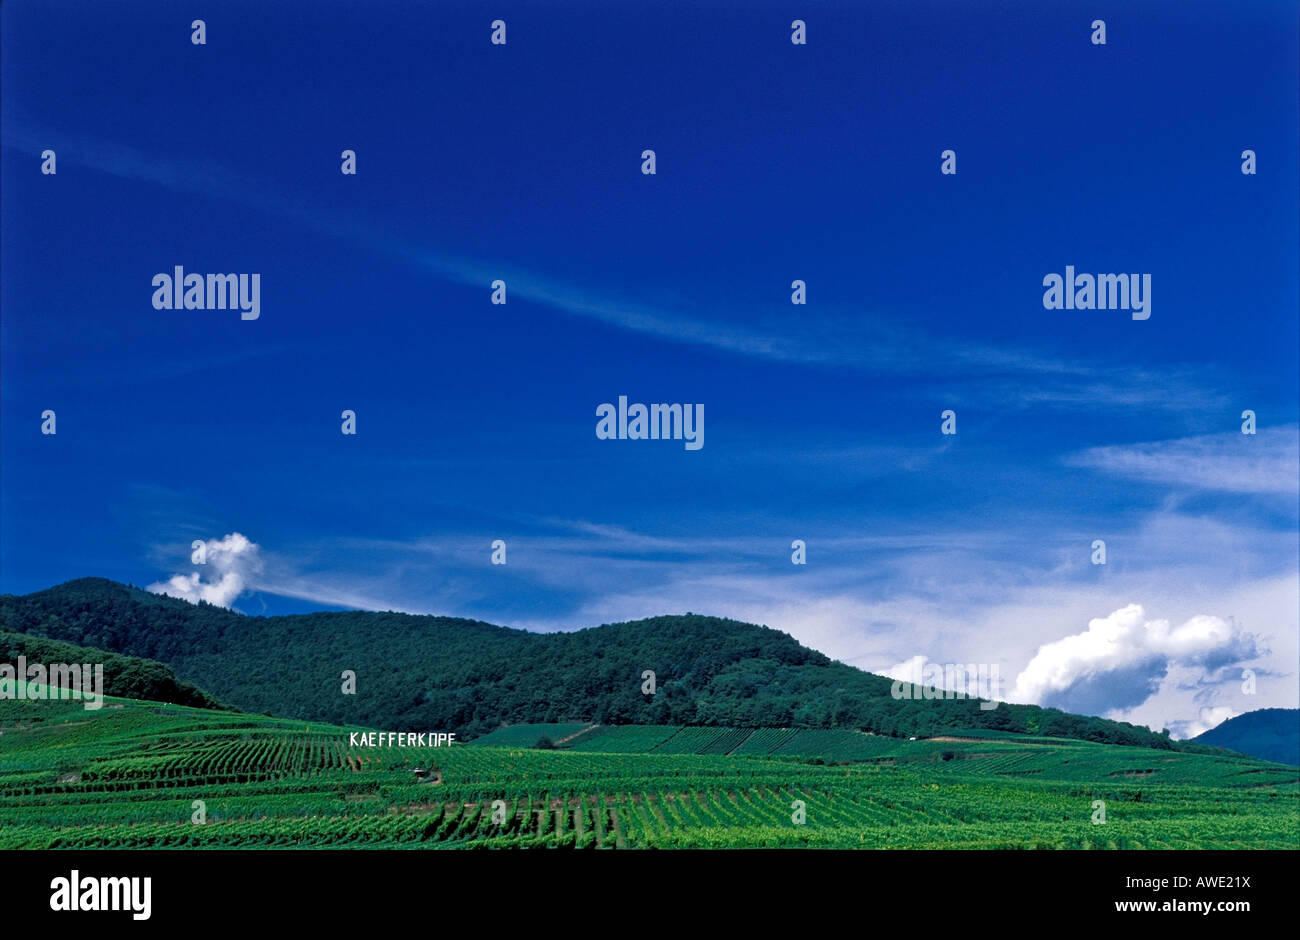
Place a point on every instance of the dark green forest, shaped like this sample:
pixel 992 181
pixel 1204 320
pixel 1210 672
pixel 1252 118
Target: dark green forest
pixel 470 677
pixel 124 676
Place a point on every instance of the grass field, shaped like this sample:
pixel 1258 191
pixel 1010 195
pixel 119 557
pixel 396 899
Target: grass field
pixel 128 775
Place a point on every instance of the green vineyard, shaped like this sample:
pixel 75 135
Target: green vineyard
pixel 147 775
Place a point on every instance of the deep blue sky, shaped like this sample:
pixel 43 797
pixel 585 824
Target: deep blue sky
pixel 775 162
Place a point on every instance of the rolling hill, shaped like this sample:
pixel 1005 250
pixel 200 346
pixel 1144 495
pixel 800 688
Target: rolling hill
pixel 470 677
pixel 1269 734
pixel 124 676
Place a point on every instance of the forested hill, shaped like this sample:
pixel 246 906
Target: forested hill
pixel 1269 734
pixel 124 676
pixel 448 674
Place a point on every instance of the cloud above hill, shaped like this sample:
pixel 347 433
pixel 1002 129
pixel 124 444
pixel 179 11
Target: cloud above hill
pixel 230 565
pixel 1120 660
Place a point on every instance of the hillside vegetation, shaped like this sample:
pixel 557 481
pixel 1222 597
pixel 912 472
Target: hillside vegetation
pixel 1269 734
pixel 124 676
pixel 146 775
pixel 447 674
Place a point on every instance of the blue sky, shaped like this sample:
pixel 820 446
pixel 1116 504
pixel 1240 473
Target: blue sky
pixel 822 422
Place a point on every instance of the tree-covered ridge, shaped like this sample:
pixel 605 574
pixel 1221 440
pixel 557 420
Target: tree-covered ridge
pixel 1268 733
pixel 450 674
pixel 124 676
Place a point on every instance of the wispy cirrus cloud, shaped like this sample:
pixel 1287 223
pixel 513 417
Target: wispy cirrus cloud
pixel 874 600
pixel 834 339
pixel 1266 463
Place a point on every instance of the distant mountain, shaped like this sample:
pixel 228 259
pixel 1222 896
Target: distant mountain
pixel 448 674
pixel 1269 733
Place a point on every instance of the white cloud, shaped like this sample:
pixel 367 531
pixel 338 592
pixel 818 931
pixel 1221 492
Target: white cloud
pixel 1120 660
pixel 909 670
pixel 846 339
pixel 231 565
pixel 1267 462
pixel 1206 719
pixel 874 600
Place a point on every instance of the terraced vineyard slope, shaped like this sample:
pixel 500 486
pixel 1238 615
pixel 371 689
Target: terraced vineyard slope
pixel 137 774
